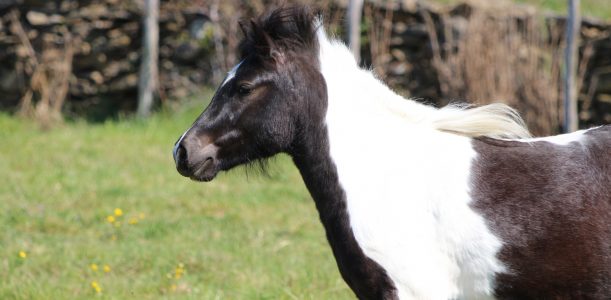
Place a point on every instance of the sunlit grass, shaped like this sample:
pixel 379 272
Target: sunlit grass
pixel 98 210
pixel 590 8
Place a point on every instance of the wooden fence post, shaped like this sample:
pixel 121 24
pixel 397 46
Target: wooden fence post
pixel 148 81
pixel 355 11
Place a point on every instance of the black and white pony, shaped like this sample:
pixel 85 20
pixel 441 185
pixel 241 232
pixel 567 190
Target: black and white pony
pixel 416 202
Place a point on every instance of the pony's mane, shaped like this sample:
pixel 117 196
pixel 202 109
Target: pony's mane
pixel 285 29
pixel 495 120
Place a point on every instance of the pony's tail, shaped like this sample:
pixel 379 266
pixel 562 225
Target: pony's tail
pixel 494 120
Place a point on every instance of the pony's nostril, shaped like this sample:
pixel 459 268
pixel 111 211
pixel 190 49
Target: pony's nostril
pixel 182 164
pixel 177 146
pixel 180 158
pixel 181 152
pixel 178 151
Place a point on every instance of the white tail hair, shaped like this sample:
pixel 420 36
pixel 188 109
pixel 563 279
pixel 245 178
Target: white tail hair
pixel 495 120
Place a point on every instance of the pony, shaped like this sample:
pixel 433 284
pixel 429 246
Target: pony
pixel 417 202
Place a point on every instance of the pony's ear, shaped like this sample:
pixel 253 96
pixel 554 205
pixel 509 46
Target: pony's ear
pixel 278 57
pixel 265 44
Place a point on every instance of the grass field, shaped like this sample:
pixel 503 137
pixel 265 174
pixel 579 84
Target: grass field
pixel 590 8
pixel 239 237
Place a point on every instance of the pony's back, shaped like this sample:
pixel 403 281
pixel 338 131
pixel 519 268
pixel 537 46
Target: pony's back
pixel 551 206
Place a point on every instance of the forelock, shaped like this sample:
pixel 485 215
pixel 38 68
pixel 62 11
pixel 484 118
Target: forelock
pixel 289 29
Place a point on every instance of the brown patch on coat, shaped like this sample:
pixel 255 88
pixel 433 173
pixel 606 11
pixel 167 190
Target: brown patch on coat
pixel 551 207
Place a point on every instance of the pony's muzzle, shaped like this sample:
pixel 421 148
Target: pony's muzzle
pixel 196 158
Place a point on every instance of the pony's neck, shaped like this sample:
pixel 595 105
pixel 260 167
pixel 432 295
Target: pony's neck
pixel 312 158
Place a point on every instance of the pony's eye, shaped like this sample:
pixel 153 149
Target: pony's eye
pixel 244 89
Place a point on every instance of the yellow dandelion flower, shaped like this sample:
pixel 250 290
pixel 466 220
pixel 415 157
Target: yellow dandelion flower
pixel 132 221
pixel 96 287
pixel 118 212
pixel 110 219
pixel 106 268
pixel 23 254
pixel 179 271
pixel 94 267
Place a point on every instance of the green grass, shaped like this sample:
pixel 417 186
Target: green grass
pixel 590 8
pixel 239 237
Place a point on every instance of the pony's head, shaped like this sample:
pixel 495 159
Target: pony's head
pixel 266 101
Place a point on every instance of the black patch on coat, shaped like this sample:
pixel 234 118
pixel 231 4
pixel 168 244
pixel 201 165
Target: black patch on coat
pixel 551 207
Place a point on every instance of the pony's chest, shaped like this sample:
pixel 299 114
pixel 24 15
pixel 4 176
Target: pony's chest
pixel 410 213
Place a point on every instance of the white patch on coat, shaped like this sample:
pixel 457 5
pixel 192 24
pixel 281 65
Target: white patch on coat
pixel 407 186
pixel 561 139
pixel 231 73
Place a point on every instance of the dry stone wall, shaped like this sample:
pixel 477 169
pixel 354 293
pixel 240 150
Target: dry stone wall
pixel 104 37
pixel 91 49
